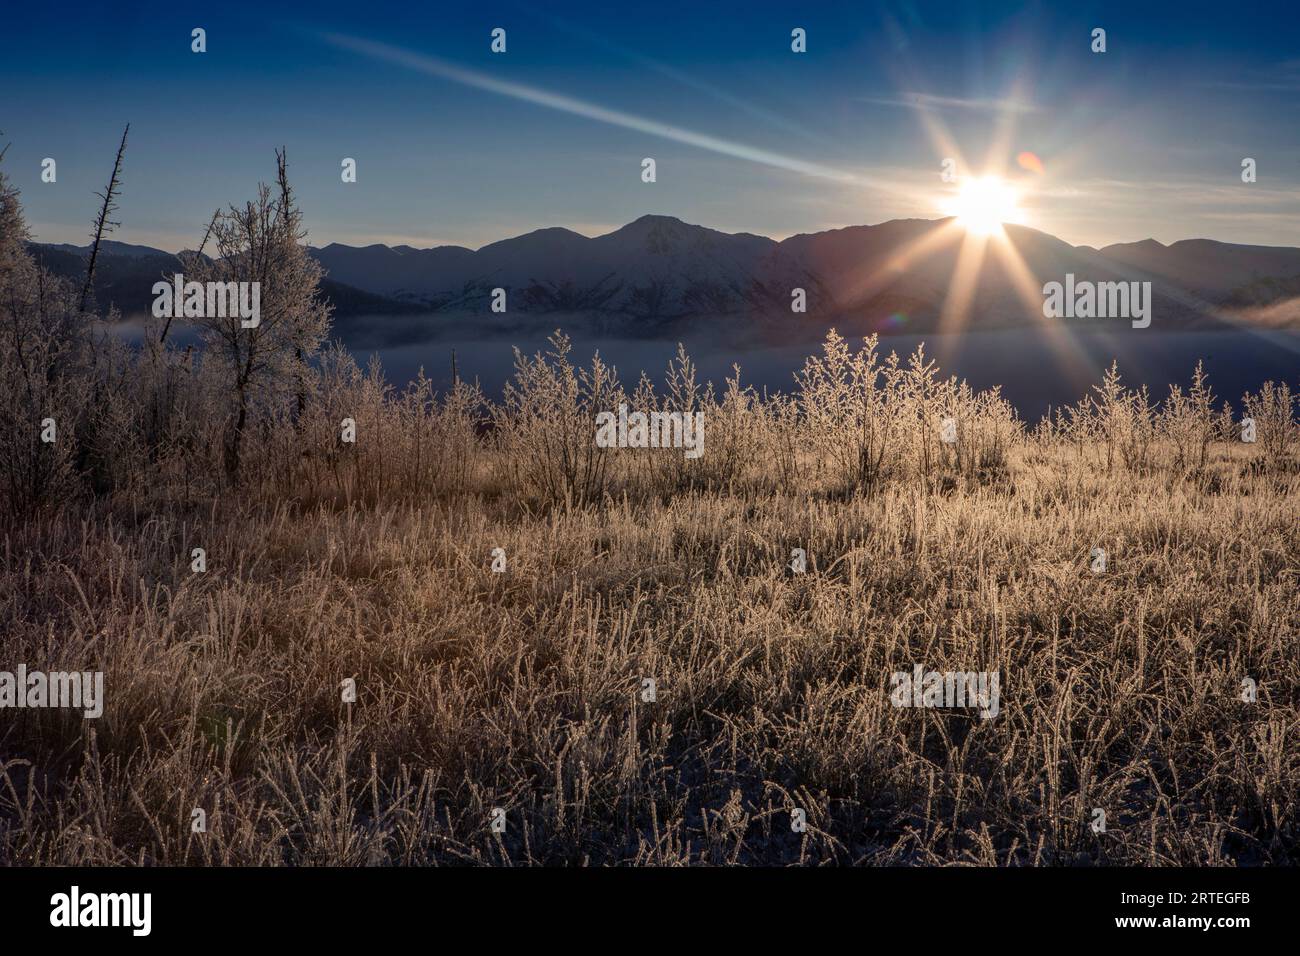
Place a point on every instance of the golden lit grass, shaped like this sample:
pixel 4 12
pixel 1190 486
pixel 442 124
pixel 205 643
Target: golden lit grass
pixel 521 690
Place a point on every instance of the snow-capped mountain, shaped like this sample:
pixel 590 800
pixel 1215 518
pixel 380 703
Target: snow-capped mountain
pixel 659 270
pixel 659 267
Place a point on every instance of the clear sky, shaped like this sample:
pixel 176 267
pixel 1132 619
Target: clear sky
pixel 455 144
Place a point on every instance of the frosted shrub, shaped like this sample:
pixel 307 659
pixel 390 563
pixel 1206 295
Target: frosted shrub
pixel 846 424
pixel 1273 410
pixel 1187 421
pixel 545 425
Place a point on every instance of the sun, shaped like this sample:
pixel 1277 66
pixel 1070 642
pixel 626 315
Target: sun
pixel 982 205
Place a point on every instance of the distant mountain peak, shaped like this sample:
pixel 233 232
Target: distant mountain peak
pixel 111 247
pixel 650 219
pixel 651 224
pixel 1142 245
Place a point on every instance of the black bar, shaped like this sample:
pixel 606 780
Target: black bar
pixel 334 906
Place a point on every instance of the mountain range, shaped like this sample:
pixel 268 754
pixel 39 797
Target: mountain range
pixel 658 272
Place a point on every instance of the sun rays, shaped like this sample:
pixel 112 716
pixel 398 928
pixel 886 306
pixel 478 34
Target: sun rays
pixel 980 204
pixel 1009 186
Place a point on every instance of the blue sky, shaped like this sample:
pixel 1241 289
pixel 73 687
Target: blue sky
pixel 1144 140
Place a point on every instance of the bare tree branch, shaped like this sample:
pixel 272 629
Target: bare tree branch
pixel 198 255
pixel 104 225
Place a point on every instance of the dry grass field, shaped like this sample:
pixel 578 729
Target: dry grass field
pixel 522 689
pixel 432 645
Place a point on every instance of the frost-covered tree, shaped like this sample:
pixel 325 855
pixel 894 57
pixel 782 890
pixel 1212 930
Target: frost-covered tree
pixel 41 347
pixel 264 368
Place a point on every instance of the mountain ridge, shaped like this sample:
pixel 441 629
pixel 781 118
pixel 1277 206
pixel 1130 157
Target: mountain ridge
pixel 659 269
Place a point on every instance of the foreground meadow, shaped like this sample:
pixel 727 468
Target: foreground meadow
pixel 522 689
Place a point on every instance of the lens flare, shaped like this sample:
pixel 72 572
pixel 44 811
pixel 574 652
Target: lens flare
pixel 1030 161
